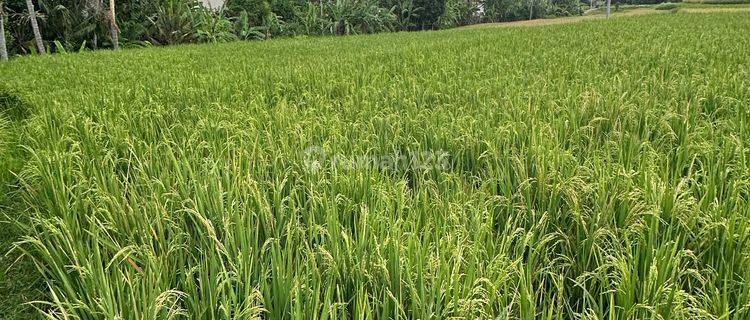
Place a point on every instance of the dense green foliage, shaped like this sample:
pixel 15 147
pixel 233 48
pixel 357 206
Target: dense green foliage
pixel 73 25
pixel 609 183
pixel 644 2
pixel 430 13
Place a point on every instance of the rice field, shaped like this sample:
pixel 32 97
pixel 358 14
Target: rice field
pixel 595 170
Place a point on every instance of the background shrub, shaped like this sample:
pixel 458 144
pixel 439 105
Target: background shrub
pixel 666 6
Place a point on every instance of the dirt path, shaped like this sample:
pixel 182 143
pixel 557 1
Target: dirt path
pixel 574 19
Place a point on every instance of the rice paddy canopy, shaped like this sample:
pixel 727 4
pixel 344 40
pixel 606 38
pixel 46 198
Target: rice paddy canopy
pixel 593 170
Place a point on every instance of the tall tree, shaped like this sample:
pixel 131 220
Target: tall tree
pixel 3 48
pixel 114 30
pixel 609 2
pixel 531 9
pixel 35 27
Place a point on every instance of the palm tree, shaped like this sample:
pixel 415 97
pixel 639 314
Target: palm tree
pixel 35 27
pixel 609 2
pixel 3 48
pixel 531 9
pixel 113 29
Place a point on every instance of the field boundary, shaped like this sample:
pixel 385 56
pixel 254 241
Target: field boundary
pixel 576 19
pixel 715 10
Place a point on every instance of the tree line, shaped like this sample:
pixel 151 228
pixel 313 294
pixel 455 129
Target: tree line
pixel 41 26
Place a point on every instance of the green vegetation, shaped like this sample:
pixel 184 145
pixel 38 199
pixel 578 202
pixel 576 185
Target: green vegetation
pixel 666 6
pixel 620 9
pixel 594 170
pixel 18 282
pixel 716 2
pixel 74 25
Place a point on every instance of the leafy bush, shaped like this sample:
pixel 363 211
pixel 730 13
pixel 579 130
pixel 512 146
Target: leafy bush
pixel 344 17
pixel 214 27
pixel 666 6
pixel 255 10
pixel 459 13
pixel 637 2
pixel 512 10
pixel 566 8
pixel 405 11
pixel 429 14
pixel 68 25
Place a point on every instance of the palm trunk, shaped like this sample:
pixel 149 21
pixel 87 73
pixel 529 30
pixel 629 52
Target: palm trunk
pixel 531 9
pixel 35 27
pixel 3 48
pixel 608 6
pixel 114 31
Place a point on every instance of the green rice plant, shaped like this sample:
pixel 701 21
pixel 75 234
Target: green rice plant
pixel 592 170
pixel 716 2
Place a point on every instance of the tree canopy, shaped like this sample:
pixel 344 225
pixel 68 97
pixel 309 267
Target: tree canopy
pixel 68 25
